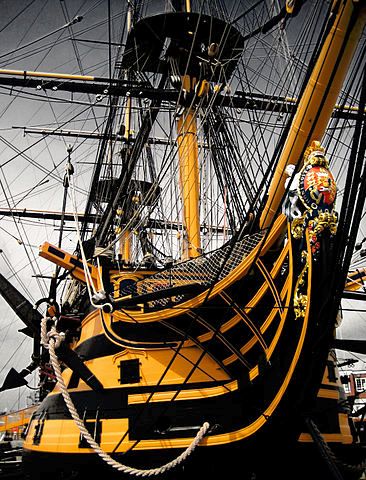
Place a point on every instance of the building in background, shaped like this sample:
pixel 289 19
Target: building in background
pixel 354 383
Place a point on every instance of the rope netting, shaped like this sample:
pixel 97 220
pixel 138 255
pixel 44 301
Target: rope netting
pixel 201 271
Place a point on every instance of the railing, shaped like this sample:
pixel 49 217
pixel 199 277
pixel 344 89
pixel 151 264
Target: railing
pixel 11 422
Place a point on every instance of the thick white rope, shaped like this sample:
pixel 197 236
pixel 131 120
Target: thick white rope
pixel 52 340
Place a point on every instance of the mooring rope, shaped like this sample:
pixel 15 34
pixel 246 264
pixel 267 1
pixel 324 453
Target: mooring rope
pixel 52 340
pixel 328 453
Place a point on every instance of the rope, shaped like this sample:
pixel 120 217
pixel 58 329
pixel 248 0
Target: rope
pixel 51 340
pixel 328 453
pixel 92 292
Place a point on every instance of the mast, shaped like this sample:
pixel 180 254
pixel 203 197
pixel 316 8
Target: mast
pixel 189 175
pixel 125 241
pixel 319 97
pixel 189 170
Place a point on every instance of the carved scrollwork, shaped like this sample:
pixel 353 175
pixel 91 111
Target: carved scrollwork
pixel 300 295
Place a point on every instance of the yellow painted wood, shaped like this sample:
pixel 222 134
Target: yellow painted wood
pixel 61 76
pixel 189 179
pixel 66 262
pixel 192 394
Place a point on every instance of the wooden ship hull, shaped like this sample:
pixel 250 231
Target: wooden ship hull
pixel 255 380
pixel 248 329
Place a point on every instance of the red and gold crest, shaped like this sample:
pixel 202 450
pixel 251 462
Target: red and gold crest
pixel 317 187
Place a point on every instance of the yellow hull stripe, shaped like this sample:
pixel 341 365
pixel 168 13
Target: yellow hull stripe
pixel 183 394
pixel 326 393
pixel 344 437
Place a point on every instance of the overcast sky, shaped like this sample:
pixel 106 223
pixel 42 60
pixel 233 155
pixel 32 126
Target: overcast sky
pixel 25 178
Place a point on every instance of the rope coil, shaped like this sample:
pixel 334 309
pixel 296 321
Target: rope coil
pixel 52 341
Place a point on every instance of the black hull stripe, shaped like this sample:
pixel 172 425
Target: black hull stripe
pixel 110 398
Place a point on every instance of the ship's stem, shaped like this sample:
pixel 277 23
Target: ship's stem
pixel 189 180
pixel 319 98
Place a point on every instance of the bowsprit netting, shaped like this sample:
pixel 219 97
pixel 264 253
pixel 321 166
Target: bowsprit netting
pixel 193 275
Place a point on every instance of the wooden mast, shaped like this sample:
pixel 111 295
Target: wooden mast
pixel 189 176
pixel 319 98
pixel 125 240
